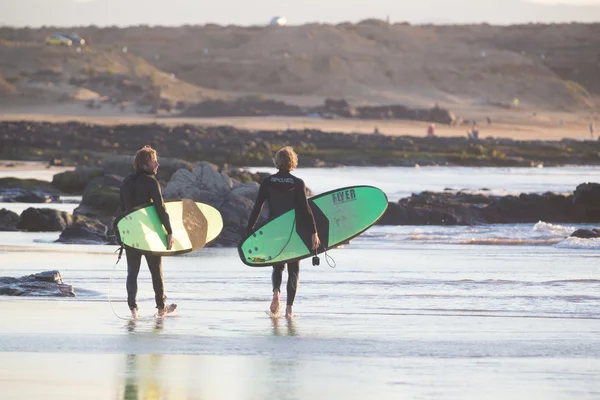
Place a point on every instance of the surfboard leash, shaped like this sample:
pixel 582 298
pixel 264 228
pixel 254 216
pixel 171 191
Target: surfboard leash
pixel 327 258
pixel 120 250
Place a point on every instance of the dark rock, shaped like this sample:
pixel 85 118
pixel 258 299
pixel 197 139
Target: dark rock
pixel 33 185
pixel 122 165
pixel 86 231
pixel 101 199
pixel 428 208
pixel 75 181
pixel 44 220
pixel 248 106
pixel 586 200
pixel 243 175
pixel 27 196
pixel 8 220
pixel 586 233
pixel 229 237
pixel 96 145
pixel 31 197
pixel 48 283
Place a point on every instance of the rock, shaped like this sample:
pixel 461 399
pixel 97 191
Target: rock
pixel 586 200
pixel 27 196
pixel 236 209
pixel 586 233
pixel 8 220
pixel 86 231
pixel 33 185
pixel 88 144
pixel 242 175
pixel 44 220
pixel 229 237
pixel 101 199
pixel 206 184
pixel 428 208
pixel 27 191
pixel 74 182
pixel 48 283
pixel 122 165
pixel 31 197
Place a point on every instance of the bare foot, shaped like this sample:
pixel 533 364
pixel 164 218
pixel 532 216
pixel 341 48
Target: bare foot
pixel 275 303
pixel 167 309
pixel 288 312
pixel 135 313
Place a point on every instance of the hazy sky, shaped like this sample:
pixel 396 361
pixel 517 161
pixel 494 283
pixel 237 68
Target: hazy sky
pixel 244 12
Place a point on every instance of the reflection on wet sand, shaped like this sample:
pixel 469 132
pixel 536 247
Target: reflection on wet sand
pixel 142 377
pixel 280 330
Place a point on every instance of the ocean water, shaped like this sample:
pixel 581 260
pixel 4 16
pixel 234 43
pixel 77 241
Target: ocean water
pixel 399 182
pixel 423 312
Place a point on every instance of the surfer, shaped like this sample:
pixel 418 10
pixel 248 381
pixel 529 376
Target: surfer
pixel 138 189
pixel 284 192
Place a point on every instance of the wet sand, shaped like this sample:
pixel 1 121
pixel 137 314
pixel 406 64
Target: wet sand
pixel 78 349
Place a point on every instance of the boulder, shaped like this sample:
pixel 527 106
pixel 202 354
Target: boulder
pixel 586 200
pixel 48 283
pixel 243 175
pixel 8 220
pixel 101 199
pixel 86 231
pixel 206 184
pixel 122 165
pixel 31 197
pixel 44 220
pixel 586 233
pixel 74 182
pixel 238 205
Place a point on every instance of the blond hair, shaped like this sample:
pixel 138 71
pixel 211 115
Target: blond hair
pixel 286 159
pixel 143 156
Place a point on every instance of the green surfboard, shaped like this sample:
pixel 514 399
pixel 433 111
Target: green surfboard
pixel 194 224
pixel 340 215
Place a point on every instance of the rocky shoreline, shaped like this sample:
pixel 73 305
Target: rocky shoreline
pixel 75 143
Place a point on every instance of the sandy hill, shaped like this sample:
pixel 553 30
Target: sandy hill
pixel 553 67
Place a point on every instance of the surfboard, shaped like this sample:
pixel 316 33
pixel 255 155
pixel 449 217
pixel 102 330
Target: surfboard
pixel 194 224
pixel 340 215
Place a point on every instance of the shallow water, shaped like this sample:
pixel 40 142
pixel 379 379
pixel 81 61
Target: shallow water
pixel 425 312
pixel 412 319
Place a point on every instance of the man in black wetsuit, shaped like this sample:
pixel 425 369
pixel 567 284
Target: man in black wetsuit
pixel 141 188
pixel 284 192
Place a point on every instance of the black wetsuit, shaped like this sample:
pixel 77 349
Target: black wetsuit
pixel 139 189
pixel 284 192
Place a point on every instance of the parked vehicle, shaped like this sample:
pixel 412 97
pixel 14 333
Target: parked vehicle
pixel 75 38
pixel 58 40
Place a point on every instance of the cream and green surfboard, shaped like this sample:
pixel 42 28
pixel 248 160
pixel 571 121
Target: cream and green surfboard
pixel 340 215
pixel 194 224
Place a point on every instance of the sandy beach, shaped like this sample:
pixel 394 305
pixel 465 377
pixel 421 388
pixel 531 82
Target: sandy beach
pixel 515 124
